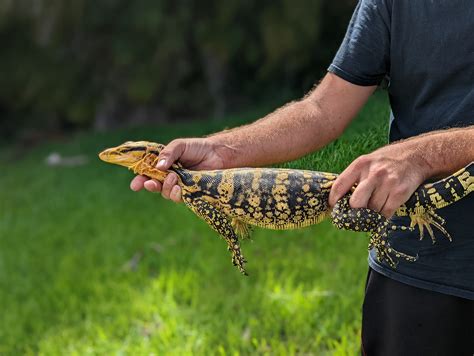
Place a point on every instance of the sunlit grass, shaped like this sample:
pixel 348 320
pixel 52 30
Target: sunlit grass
pixel 89 267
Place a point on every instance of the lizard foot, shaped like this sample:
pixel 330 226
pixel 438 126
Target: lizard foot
pixel 426 219
pixel 238 259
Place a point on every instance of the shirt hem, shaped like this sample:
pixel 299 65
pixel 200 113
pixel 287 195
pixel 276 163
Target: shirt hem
pixel 419 283
pixel 352 78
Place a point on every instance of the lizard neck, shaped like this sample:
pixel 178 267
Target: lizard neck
pixel 150 171
pixel 147 167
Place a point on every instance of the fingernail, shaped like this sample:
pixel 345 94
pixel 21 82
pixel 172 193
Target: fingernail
pixel 175 192
pixel 149 185
pixel 155 186
pixel 161 163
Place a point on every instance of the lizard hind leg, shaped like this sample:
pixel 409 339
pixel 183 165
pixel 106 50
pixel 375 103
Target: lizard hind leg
pixel 362 219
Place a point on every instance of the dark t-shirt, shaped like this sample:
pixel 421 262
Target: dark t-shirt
pixel 425 49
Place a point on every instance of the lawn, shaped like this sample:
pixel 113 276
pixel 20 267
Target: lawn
pixel 88 267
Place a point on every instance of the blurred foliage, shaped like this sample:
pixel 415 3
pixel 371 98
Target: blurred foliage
pixel 85 63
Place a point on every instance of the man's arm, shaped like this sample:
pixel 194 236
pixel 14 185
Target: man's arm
pixel 388 176
pixel 296 129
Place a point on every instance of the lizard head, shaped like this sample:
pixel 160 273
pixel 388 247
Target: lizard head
pixel 132 153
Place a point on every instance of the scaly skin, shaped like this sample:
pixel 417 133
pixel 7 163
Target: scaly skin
pixel 232 200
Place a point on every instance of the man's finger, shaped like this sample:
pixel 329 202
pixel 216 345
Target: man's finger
pixel 397 197
pixel 137 183
pixel 378 199
pixel 342 185
pixel 170 154
pixel 362 194
pixel 152 185
pixel 175 194
pixel 170 181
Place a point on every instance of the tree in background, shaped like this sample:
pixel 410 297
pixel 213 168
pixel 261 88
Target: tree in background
pixel 101 64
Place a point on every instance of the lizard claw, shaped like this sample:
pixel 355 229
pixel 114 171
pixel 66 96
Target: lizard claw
pixel 427 219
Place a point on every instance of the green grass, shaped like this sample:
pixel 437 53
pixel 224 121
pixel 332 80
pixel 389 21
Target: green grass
pixel 68 283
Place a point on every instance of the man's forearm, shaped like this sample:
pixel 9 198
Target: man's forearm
pixel 442 152
pixel 288 133
pixel 295 129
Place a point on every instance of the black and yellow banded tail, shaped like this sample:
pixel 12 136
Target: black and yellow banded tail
pixel 444 192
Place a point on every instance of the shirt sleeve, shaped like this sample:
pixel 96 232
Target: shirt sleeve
pixel 364 55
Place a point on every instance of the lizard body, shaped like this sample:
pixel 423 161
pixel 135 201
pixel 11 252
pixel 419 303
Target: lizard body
pixel 232 200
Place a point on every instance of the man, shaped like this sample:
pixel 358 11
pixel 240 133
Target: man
pixel 426 49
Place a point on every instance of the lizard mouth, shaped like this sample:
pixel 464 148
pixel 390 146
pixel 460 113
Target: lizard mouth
pixel 109 155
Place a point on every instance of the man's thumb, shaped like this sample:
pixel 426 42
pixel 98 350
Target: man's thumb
pixel 170 154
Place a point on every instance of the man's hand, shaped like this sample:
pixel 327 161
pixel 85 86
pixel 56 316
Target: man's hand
pixel 193 153
pixel 385 178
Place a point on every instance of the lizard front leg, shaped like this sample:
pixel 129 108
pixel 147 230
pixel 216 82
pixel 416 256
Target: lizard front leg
pixel 221 224
pixel 422 205
pixel 362 219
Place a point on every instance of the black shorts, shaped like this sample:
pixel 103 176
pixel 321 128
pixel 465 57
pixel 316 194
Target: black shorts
pixel 398 319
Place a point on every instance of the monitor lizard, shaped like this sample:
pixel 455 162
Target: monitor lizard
pixel 230 201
